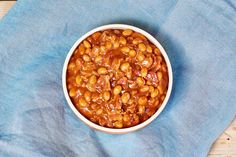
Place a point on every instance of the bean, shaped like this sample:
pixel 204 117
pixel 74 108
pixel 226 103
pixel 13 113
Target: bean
pixel 117 89
pixel 159 75
pixel 90 87
pixel 152 100
pixel 135 119
pixel 92 79
pixel 81 49
pixel 159 59
pixel 140 57
pixel 108 45
pixel 156 103
pixel 144 88
pixel 87 96
pixel 82 102
pixel 117 117
pixel 125 97
pixel 160 89
pixel 106 95
pixel 79 63
pixel 71 65
pixel 142 100
pixel 116 31
pixel 149 49
pixel 131 101
pixel 88 51
pixel 116 44
pixel 98 59
pixel 132 53
pixel 78 79
pixel 118 124
pixel 113 37
pixel 112 116
pixel 154 93
pixel 140 81
pixel 96 35
pixel 115 64
pixel 76 52
pixel 129 73
pixel 133 108
pixel 102 70
pixel 141 109
pixel 86 44
pixel 157 51
pixel 95 50
pixel 127 32
pixel 137 41
pixel 122 40
pixel 125 49
pixel 142 47
pixel 138 35
pixel 149 82
pixel 151 89
pixel 102 50
pixel 86 58
pixel 99 111
pixel 90 39
pixel 124 66
pixel 95 97
pixel 126 118
pixel 72 92
pixel 102 121
pixel 147 62
pixel 143 72
pixel 134 92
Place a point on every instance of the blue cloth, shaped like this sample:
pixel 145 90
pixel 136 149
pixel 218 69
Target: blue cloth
pixel 35 37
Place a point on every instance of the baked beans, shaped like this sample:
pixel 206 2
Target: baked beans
pixel 117 78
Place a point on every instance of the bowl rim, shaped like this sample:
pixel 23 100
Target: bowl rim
pixel 121 130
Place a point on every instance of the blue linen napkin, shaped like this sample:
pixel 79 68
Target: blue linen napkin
pixel 35 37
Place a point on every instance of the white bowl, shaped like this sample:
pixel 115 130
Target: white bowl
pixel 113 130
